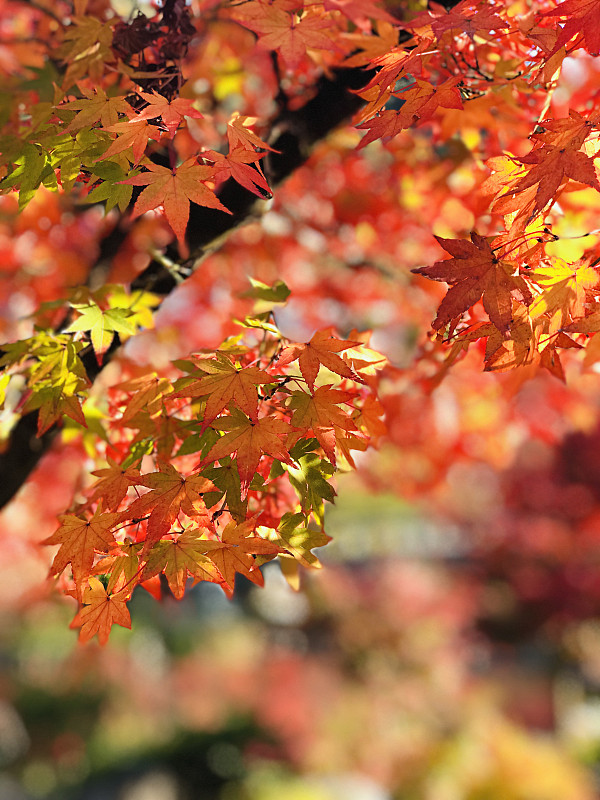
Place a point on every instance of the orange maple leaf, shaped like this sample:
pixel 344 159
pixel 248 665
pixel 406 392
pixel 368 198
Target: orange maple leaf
pixel 320 351
pixel 235 550
pixel 149 392
pixel 287 34
pixel 170 111
pixel 179 557
pixel 571 131
pixel 240 135
pixel 100 611
pixel 135 133
pixel 113 484
pixel 224 383
pixel 174 189
pixel 170 493
pixel 474 271
pixel 80 539
pixel 322 414
pixel 249 439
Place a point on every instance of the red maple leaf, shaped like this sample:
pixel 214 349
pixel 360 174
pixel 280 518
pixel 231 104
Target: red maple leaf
pixel 240 135
pixel 136 133
pixel 474 271
pixel 174 189
pixel 287 34
pixel 321 413
pixel 322 350
pixel 114 482
pixel 237 164
pixel 550 166
pixel 583 24
pixel 179 557
pixel 170 111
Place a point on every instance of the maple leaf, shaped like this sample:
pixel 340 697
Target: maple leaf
pixel 298 540
pixel 249 439
pixel 320 412
pixel 568 285
pixel 86 49
pixel 170 493
pixel 135 133
pixel 94 107
pixel 583 23
pixel 571 131
pixel 309 480
pixel 237 164
pixel 174 189
pixel 80 539
pixel 170 111
pixel 289 35
pixel 240 135
pixel 233 553
pixel 114 482
pixel 102 325
pixel 100 611
pixel 359 11
pixel 322 350
pixel 225 383
pixel 179 557
pixel 463 18
pixel 550 166
pixel 474 271
pixel 419 103
pixel 149 390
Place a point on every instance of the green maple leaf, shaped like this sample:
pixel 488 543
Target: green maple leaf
pixel 298 540
pixel 94 107
pixel 102 325
pixel 109 190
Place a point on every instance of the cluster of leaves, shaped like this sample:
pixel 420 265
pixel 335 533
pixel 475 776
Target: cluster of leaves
pixel 243 446
pixel 235 455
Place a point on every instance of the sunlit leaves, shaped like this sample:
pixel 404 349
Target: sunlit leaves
pixel 174 189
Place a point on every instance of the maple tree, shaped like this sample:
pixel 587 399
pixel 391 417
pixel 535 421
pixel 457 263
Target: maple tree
pixel 133 149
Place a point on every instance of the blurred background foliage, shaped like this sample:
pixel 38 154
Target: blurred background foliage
pixel 432 670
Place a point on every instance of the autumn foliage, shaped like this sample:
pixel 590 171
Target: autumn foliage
pixel 223 459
